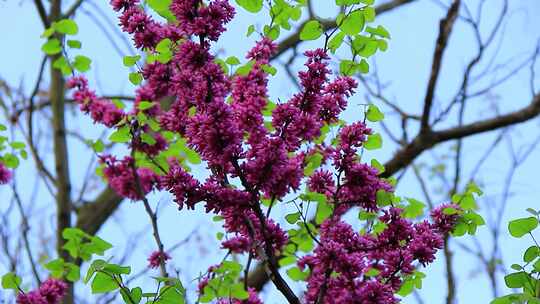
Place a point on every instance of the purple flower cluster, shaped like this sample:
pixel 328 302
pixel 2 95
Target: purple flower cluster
pixel 121 178
pixel 249 92
pixel 203 20
pixel 146 32
pixel 356 268
pixel 5 174
pixel 50 292
pixel 101 110
pixel 156 258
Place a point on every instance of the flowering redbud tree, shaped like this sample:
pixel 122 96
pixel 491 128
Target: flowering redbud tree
pixel 259 156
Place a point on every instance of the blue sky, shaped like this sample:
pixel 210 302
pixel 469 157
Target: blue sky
pixel 405 67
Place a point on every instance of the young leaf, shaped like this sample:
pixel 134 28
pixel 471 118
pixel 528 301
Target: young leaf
pixel 131 60
pixel 121 135
pixel 516 280
pixel 374 114
pixel 103 283
pixel 353 23
pixel 293 217
pixel 522 226
pixel 531 253
pixel 135 78
pixel 252 6
pixel 74 44
pixel 374 141
pixel 312 30
pixel 51 47
pixel 82 63
pixel 66 26
pixel 296 274
pixel 11 281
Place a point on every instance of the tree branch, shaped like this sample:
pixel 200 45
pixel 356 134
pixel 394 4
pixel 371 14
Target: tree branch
pixel 93 215
pixel 424 141
pixel 445 28
pixel 42 13
pixel 73 9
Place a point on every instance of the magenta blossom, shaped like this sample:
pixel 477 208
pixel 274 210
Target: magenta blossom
pixel 50 292
pixel 5 174
pixel 156 258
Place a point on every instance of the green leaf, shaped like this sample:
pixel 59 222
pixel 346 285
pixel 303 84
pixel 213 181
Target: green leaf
pixel 336 42
pixel 516 279
pixel 347 67
pixel 74 44
pixel 414 209
pixel 131 60
pixel 11 281
pixel 313 197
pixel 372 272
pixel 374 141
pixel 73 272
pixel 232 60
pixel 379 31
pixel 10 160
pixel 245 69
pixel 52 47
pixel 363 66
pixel 162 8
pixel 324 211
pixel 369 13
pixel 135 78
pixel 374 114
pixel 66 26
pixel 95 266
pixel 313 162
pixel 252 6
pixel 17 145
pixel 269 69
pixel 516 267
pixel 467 202
pixel 312 30
pixel 406 288
pixel 116 269
pixel 293 217
pixel 368 48
pixel 377 165
pixel 82 63
pixel 238 291
pixel 383 198
pixel 251 30
pixel 531 253
pixel 353 23
pixel 271 32
pixel 56 268
pixel 98 146
pixel 121 135
pixel 136 294
pixel 61 64
pixel 48 33
pixel 103 283
pixel 288 260
pixel 522 226
pixel 296 274
pixel 145 105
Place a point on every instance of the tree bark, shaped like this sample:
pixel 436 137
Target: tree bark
pixel 63 184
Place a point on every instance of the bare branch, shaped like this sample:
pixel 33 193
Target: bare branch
pixel 445 28
pixel 424 141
